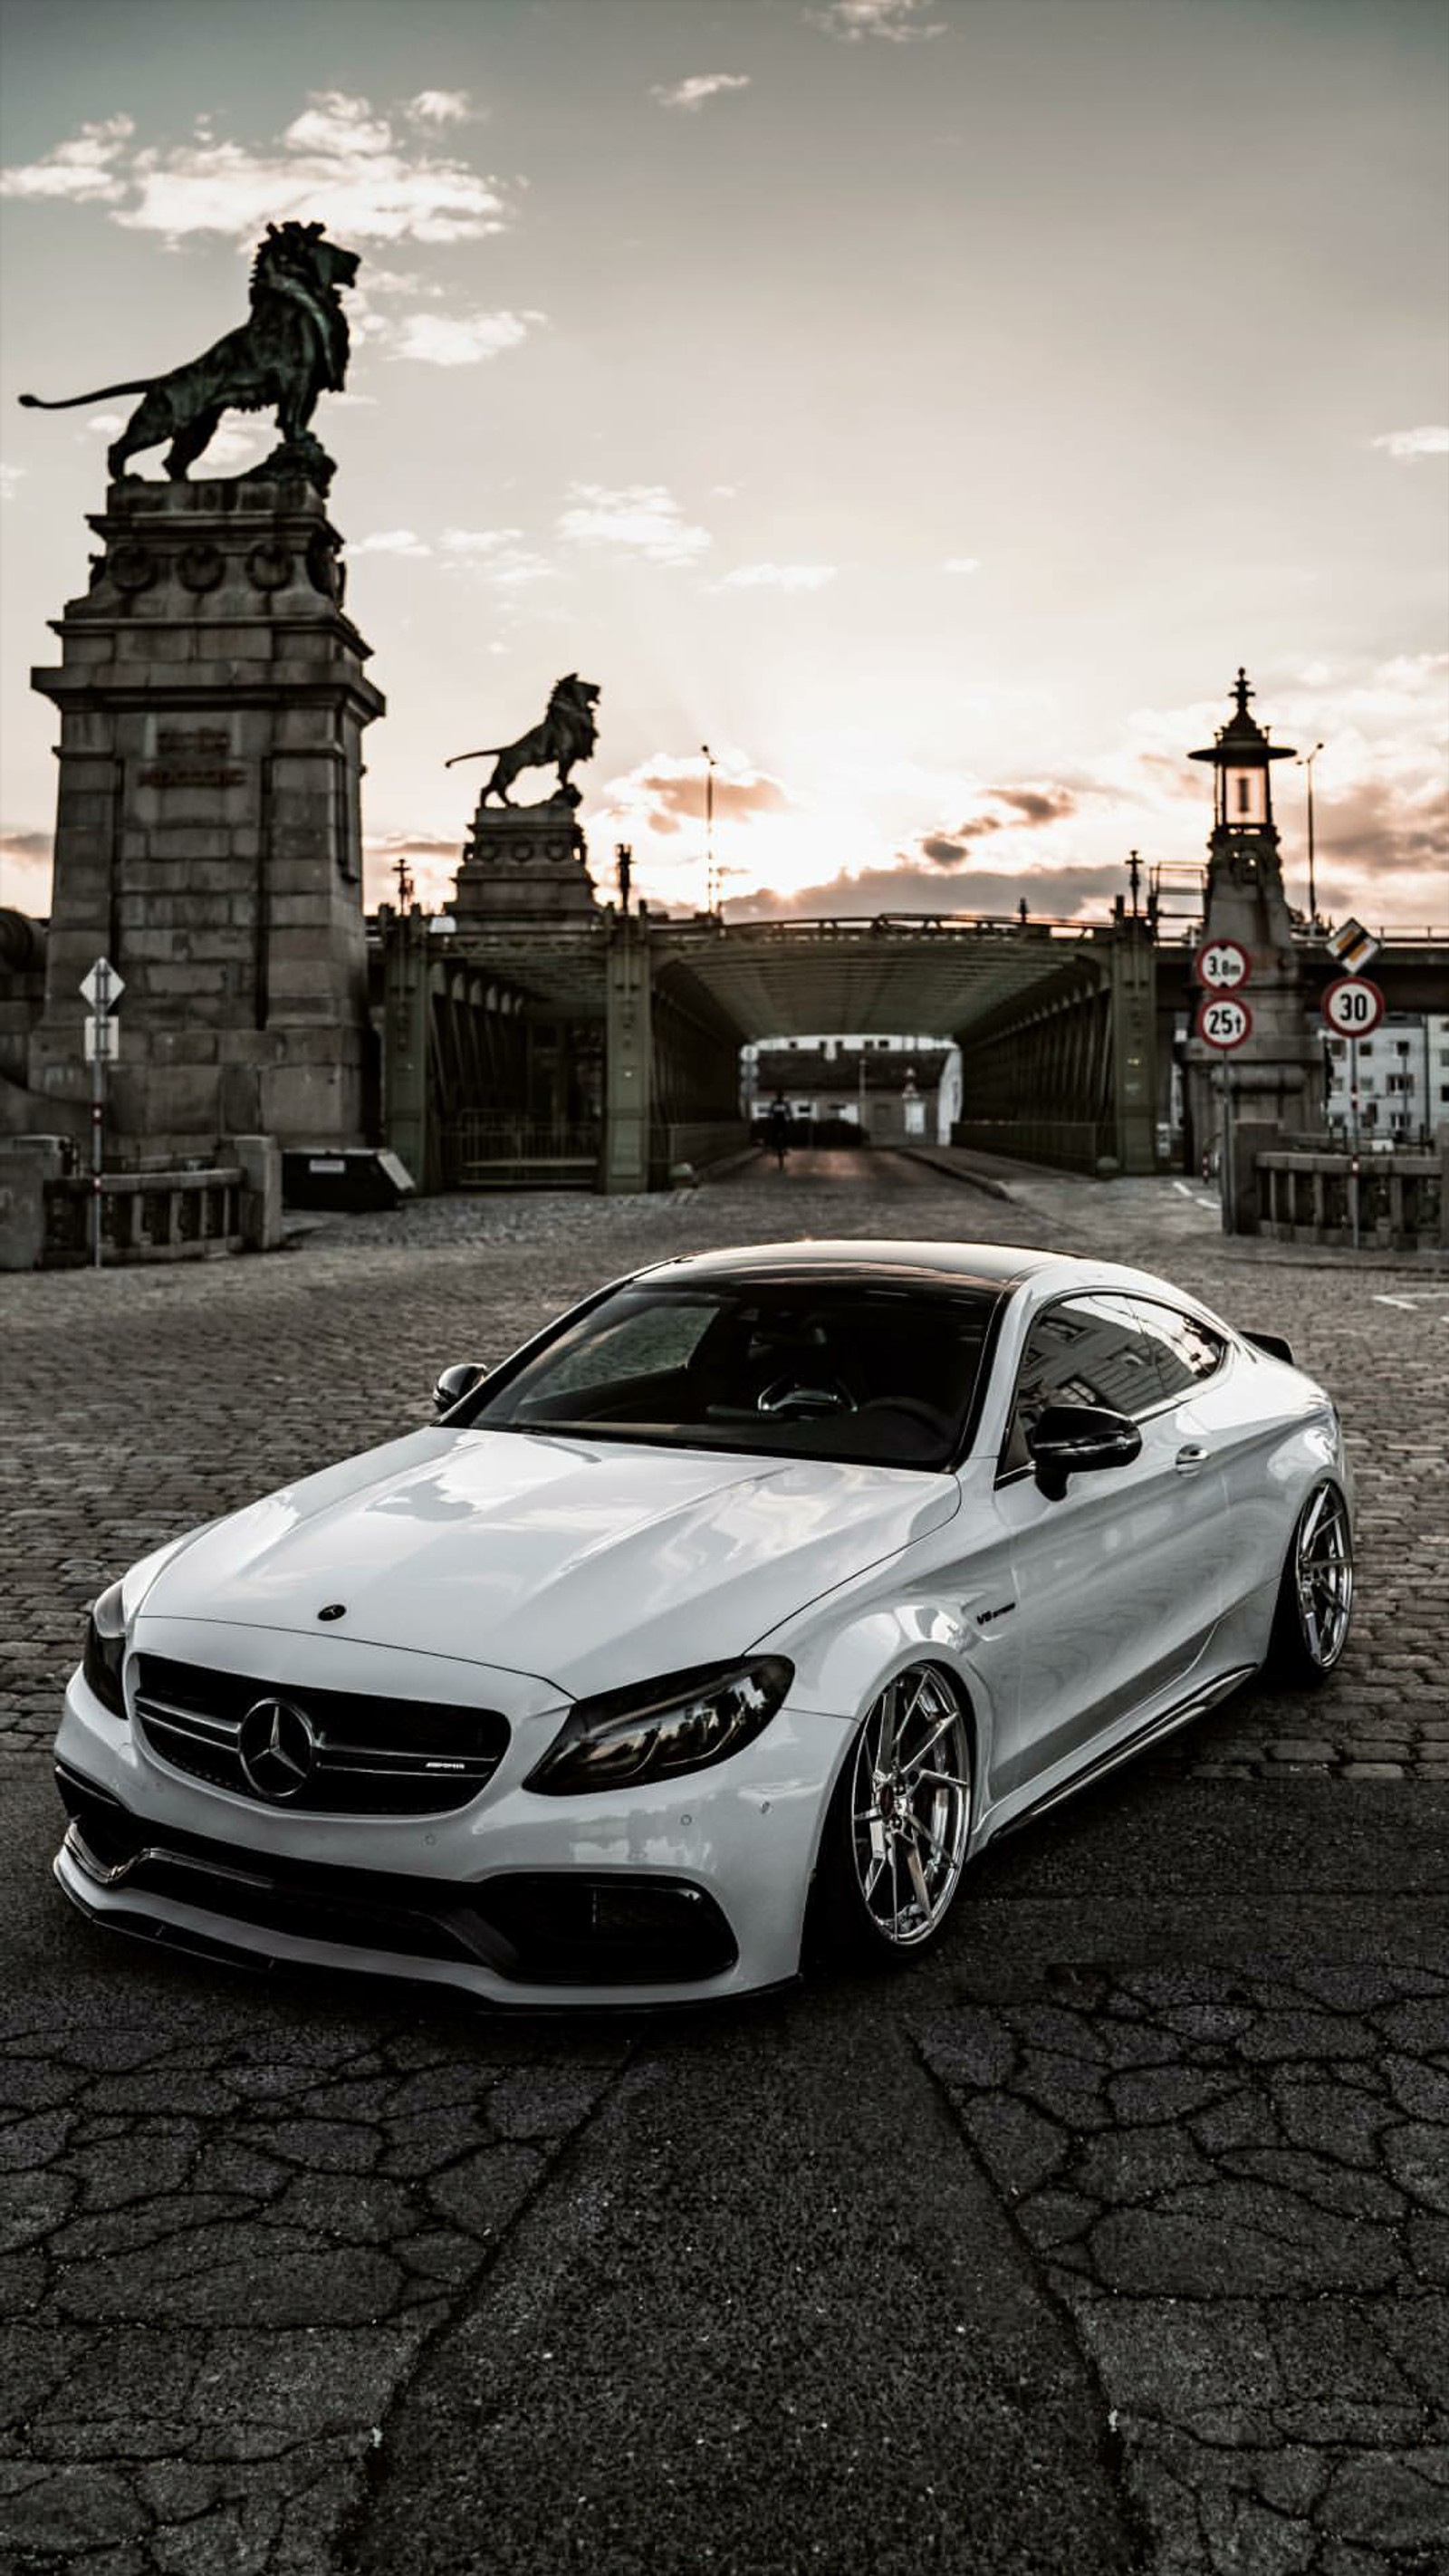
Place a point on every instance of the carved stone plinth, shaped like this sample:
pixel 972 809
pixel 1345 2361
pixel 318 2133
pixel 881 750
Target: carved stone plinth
pixel 212 700
pixel 525 863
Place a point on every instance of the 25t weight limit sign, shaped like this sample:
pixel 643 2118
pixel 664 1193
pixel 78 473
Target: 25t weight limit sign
pixel 1353 1007
pixel 1223 1022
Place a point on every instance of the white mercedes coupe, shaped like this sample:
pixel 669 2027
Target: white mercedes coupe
pixel 717 1629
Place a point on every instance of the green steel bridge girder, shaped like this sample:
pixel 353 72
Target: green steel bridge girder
pixel 1065 1030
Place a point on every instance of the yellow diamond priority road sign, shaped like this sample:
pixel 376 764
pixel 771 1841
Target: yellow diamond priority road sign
pixel 1353 946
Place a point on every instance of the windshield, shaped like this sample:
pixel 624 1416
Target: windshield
pixel 880 1375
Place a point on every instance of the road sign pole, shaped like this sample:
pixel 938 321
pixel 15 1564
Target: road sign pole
pixel 98 1110
pixel 1353 1138
pixel 1230 1173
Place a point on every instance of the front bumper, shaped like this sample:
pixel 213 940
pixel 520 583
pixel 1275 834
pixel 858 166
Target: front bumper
pixel 689 1890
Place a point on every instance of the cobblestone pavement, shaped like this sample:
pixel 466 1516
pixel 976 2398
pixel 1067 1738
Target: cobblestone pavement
pixel 1116 2237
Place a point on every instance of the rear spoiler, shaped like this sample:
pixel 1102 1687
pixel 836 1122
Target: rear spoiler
pixel 1272 1345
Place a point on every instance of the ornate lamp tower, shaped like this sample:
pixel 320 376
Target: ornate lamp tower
pixel 1242 786
pixel 1276 1070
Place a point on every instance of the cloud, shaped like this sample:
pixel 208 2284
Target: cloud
pixel 458 339
pixel 440 107
pixel 339 160
pixel 1034 807
pixel 663 794
pixel 11 478
pixel 1408 445
pixel 478 541
pixel 431 861
pixel 961 563
pixel 1057 894
pixel 82 169
pixel 25 862
pixel 693 92
pixel 895 20
pixel 778 576
pixel 640 517
pixel 391 541
pixel 496 553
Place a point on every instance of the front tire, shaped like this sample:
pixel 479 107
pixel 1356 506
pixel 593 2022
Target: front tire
pixel 896 1836
pixel 1315 1595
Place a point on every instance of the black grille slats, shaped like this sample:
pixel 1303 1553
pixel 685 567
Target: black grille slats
pixel 375 1756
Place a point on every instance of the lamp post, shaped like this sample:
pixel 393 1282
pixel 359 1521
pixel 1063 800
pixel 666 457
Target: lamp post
pixel 709 884
pixel 1305 762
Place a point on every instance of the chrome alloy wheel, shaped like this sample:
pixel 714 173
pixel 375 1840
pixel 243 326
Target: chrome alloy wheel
pixel 1323 1576
pixel 910 1806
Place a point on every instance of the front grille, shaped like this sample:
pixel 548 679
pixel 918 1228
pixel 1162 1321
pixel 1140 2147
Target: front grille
pixel 543 1928
pixel 371 1756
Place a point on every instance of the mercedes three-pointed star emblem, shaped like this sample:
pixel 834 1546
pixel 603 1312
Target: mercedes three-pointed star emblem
pixel 277 1750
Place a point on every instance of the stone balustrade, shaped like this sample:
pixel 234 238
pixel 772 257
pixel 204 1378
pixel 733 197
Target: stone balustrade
pixel 1402 1198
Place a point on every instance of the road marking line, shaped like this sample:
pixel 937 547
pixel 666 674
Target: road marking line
pixel 1182 1187
pixel 1215 1204
pixel 1410 1302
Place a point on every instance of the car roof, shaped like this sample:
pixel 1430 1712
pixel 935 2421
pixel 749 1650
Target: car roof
pixel 992 1266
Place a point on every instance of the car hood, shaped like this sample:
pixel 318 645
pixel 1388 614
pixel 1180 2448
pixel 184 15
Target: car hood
pixel 586 1563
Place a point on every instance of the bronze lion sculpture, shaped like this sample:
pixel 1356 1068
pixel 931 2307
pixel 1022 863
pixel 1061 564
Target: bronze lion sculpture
pixel 568 733
pixel 292 348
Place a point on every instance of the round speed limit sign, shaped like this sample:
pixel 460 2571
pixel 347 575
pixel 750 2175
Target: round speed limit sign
pixel 1353 1007
pixel 1222 965
pixel 1223 1021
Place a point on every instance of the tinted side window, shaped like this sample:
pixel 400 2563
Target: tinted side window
pixel 1085 1350
pixel 1185 1351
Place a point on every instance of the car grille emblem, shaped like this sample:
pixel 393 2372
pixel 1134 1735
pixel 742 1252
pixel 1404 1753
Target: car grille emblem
pixel 277 1750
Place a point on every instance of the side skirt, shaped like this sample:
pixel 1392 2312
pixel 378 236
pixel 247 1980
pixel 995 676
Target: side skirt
pixel 1195 1705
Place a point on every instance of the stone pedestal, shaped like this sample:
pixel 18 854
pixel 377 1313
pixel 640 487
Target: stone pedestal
pixel 525 863
pixel 212 700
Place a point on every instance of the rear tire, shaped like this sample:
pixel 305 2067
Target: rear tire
pixel 1315 1595
pixel 896 1835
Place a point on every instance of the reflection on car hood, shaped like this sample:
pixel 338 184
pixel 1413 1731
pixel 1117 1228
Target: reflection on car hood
pixel 592 1563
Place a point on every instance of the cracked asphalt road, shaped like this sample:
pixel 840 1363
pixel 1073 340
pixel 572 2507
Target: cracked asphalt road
pixel 1115 2237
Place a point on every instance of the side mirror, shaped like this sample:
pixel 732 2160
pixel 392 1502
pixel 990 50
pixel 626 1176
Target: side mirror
pixel 1076 1440
pixel 456 1382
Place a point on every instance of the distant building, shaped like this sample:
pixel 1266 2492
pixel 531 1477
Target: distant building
pixel 1403 1077
pixel 881 1087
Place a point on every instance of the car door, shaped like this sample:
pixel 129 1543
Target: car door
pixel 1118 1586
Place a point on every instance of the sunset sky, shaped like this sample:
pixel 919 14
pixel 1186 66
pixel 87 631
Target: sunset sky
pixel 928 403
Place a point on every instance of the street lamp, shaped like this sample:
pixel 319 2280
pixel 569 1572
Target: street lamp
pixel 709 884
pixel 1305 761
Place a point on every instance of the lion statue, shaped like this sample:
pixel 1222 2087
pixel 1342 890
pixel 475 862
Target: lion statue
pixel 293 347
pixel 567 733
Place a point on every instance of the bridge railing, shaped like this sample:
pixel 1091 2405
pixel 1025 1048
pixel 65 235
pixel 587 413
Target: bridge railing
pixel 1310 1198
pixel 1072 1144
pixel 146 1216
pixel 484 1152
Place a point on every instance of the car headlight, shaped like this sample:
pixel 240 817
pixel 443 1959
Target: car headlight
pixel 105 1650
pixel 682 1722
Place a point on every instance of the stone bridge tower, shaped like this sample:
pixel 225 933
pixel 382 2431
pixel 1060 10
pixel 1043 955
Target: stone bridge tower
pixel 212 701
pixel 1276 1073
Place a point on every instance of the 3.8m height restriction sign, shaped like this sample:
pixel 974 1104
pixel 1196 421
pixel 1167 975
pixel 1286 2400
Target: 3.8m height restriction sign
pixel 1353 1007
pixel 1223 1021
pixel 1221 965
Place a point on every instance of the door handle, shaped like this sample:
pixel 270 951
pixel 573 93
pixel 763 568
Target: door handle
pixel 1188 1460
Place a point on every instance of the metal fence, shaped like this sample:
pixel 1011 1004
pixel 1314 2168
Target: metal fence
pixel 486 1153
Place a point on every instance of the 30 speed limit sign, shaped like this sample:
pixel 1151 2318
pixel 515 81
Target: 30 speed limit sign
pixel 1223 1021
pixel 1353 1007
pixel 1222 965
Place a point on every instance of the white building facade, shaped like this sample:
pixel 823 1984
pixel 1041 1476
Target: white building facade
pixel 1403 1078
